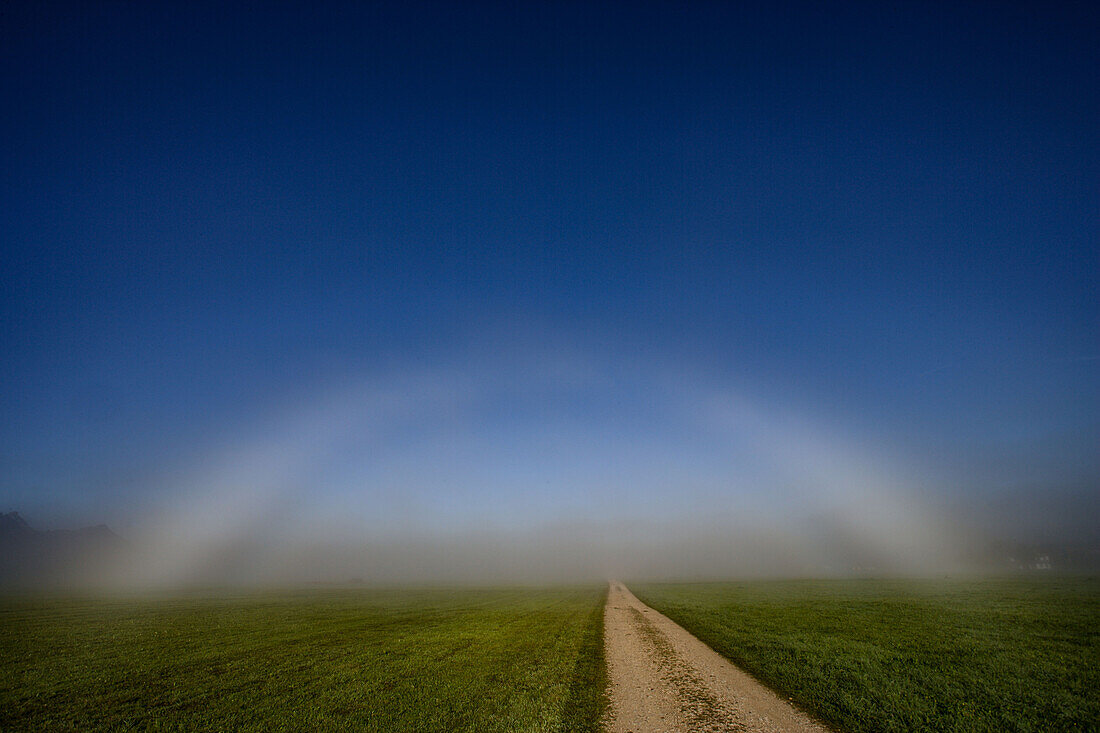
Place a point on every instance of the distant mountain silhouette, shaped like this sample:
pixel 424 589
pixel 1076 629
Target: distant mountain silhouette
pixel 48 558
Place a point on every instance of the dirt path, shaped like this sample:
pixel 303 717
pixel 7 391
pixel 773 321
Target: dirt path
pixel 663 679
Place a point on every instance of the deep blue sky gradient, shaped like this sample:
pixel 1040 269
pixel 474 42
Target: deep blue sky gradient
pixel 889 211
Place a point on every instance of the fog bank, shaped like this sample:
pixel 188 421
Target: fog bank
pixel 548 468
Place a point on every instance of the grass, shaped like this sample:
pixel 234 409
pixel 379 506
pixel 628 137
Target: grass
pixel 371 660
pixel 871 655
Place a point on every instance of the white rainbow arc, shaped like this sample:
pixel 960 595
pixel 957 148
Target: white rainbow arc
pixel 815 474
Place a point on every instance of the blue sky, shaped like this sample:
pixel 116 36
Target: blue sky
pixel 880 217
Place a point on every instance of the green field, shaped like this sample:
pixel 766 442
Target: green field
pixel 457 660
pixel 866 655
pixel 871 655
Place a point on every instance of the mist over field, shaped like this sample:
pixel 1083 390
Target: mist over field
pixel 465 294
pixel 551 466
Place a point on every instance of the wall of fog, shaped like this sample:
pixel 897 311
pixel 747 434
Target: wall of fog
pixel 551 467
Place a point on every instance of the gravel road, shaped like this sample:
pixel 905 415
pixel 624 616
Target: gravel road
pixel 664 680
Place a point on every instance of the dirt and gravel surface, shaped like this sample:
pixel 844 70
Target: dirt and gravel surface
pixel 664 680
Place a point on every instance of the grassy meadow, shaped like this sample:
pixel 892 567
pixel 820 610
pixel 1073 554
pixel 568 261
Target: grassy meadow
pixel 371 660
pixel 873 655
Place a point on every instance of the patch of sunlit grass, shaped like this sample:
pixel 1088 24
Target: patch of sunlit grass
pixel 373 660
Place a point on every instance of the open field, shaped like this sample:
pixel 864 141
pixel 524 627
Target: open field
pixel 872 655
pixel 394 660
